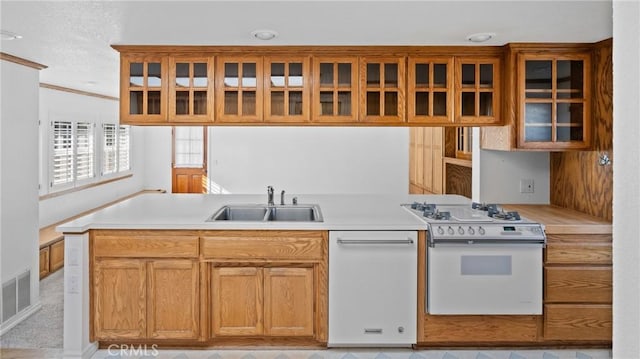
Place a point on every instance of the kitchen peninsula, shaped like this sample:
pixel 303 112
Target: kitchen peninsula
pixel 153 270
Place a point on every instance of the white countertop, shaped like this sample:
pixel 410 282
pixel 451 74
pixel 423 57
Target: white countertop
pixel 190 211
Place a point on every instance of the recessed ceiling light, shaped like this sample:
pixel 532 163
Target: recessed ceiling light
pixel 264 34
pixel 8 35
pixel 481 37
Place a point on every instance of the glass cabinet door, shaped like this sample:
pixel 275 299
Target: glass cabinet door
pixel 286 87
pixel 239 88
pixel 382 87
pixel 143 90
pixel 477 90
pixel 191 89
pixel 335 89
pixel 554 106
pixel 430 90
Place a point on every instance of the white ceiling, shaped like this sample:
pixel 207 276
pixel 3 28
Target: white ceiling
pixel 73 38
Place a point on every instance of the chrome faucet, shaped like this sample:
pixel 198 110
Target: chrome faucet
pixel 270 196
pixel 282 197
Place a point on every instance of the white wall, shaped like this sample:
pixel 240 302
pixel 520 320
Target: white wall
pixel 19 163
pixel 626 179
pixel 310 159
pixel 157 157
pixel 56 104
pixel 496 175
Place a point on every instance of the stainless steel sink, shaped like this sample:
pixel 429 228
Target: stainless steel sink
pixel 264 213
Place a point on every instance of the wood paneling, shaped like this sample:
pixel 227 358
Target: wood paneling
pixel 288 301
pixel 172 244
pixel 189 180
pixel 119 299
pixel 237 301
pixel 44 262
pixel 577 180
pixel 587 284
pixel 457 180
pixel 558 220
pixel 56 256
pixel 272 245
pixel 173 312
pixel 480 328
pixel 578 322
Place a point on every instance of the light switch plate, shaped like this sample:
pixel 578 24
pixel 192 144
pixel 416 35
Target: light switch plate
pixel 526 186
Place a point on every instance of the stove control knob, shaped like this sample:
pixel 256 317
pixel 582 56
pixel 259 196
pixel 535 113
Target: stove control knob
pixel 460 230
pixel 440 230
pixel 471 231
pixel 450 230
pixel 481 231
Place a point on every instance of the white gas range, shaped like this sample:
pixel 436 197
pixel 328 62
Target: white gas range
pixel 481 260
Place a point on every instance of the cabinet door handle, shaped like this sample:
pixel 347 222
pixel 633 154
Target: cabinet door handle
pixel 373 241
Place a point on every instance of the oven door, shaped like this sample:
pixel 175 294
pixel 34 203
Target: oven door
pixel 484 279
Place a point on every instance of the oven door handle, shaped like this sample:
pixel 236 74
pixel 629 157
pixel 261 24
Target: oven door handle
pixel 374 241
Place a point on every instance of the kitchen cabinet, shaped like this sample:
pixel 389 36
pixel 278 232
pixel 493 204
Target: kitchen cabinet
pixel 477 90
pixel 382 89
pixel 239 89
pixel 143 89
pixel 430 90
pixel 335 89
pixel 44 262
pixel 56 256
pixel 578 288
pixel 191 89
pixel 267 284
pixel 426 159
pixel 287 89
pixel 145 286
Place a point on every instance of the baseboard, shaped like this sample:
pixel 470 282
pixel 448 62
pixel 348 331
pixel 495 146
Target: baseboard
pixel 18 318
pixel 87 353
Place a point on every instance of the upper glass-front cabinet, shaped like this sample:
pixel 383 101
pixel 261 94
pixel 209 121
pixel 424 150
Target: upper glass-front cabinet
pixel 287 82
pixel 430 90
pixel 143 89
pixel 554 101
pixel 239 89
pixel 335 89
pixel 477 90
pixel 191 89
pixel 382 89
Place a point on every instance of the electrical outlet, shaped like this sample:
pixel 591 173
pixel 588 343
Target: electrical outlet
pixel 526 186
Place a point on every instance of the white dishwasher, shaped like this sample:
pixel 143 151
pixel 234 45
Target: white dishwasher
pixel 373 288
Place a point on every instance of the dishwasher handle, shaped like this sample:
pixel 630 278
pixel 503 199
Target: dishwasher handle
pixel 374 241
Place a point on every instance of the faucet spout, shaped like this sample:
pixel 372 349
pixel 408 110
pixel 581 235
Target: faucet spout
pixel 282 197
pixel 270 196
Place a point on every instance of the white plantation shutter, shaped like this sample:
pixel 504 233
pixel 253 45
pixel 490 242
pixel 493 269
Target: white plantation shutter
pixel 84 151
pixel 109 149
pixel 124 163
pixel 62 159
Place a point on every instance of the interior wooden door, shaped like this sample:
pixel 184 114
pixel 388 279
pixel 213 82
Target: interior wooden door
pixel 189 160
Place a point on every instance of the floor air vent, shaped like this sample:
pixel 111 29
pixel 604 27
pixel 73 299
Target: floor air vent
pixel 16 295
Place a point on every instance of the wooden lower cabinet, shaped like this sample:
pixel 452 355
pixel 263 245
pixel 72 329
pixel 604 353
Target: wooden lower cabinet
pixel 44 262
pixel 236 302
pixel 578 322
pixel 288 301
pixel 56 256
pixel 479 329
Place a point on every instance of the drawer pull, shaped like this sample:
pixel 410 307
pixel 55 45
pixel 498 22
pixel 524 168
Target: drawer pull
pixel 372 330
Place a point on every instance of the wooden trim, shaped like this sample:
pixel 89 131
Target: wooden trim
pixel 21 61
pixel 457 161
pixel 83 187
pixel 77 92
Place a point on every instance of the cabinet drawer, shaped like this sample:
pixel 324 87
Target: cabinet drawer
pixel 577 322
pixel 141 244
pixel 578 284
pixel 480 328
pixel 570 253
pixel 300 245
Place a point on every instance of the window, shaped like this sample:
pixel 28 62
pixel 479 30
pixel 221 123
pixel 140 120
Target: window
pixel 116 148
pixel 85 156
pixel 189 147
pixel 62 158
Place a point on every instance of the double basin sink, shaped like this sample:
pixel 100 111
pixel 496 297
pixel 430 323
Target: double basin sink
pixel 265 213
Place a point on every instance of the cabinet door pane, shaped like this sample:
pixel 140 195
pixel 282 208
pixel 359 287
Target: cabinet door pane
pixel 326 103
pixel 231 75
pixel 486 103
pixel 200 75
pixel 390 103
pixel 295 102
pixel 135 102
pixel 390 75
pixel 537 134
pixel 182 102
pixel 439 103
pixel 570 75
pixel 200 102
pixel 486 75
pixel 468 104
pixel 277 103
pixel 440 75
pixel 373 103
pixel 538 75
pixel 422 75
pixel 249 103
pixel 277 75
pixel 344 75
pixel 344 103
pixel 295 75
pixel 154 75
pixel 566 134
pixel 468 75
pixel 136 74
pixel 182 75
pixel 538 113
pixel 326 74
pixel 230 103
pixel 249 75
pixel 570 113
pixel 422 103
pixel 373 75
pixel 153 102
